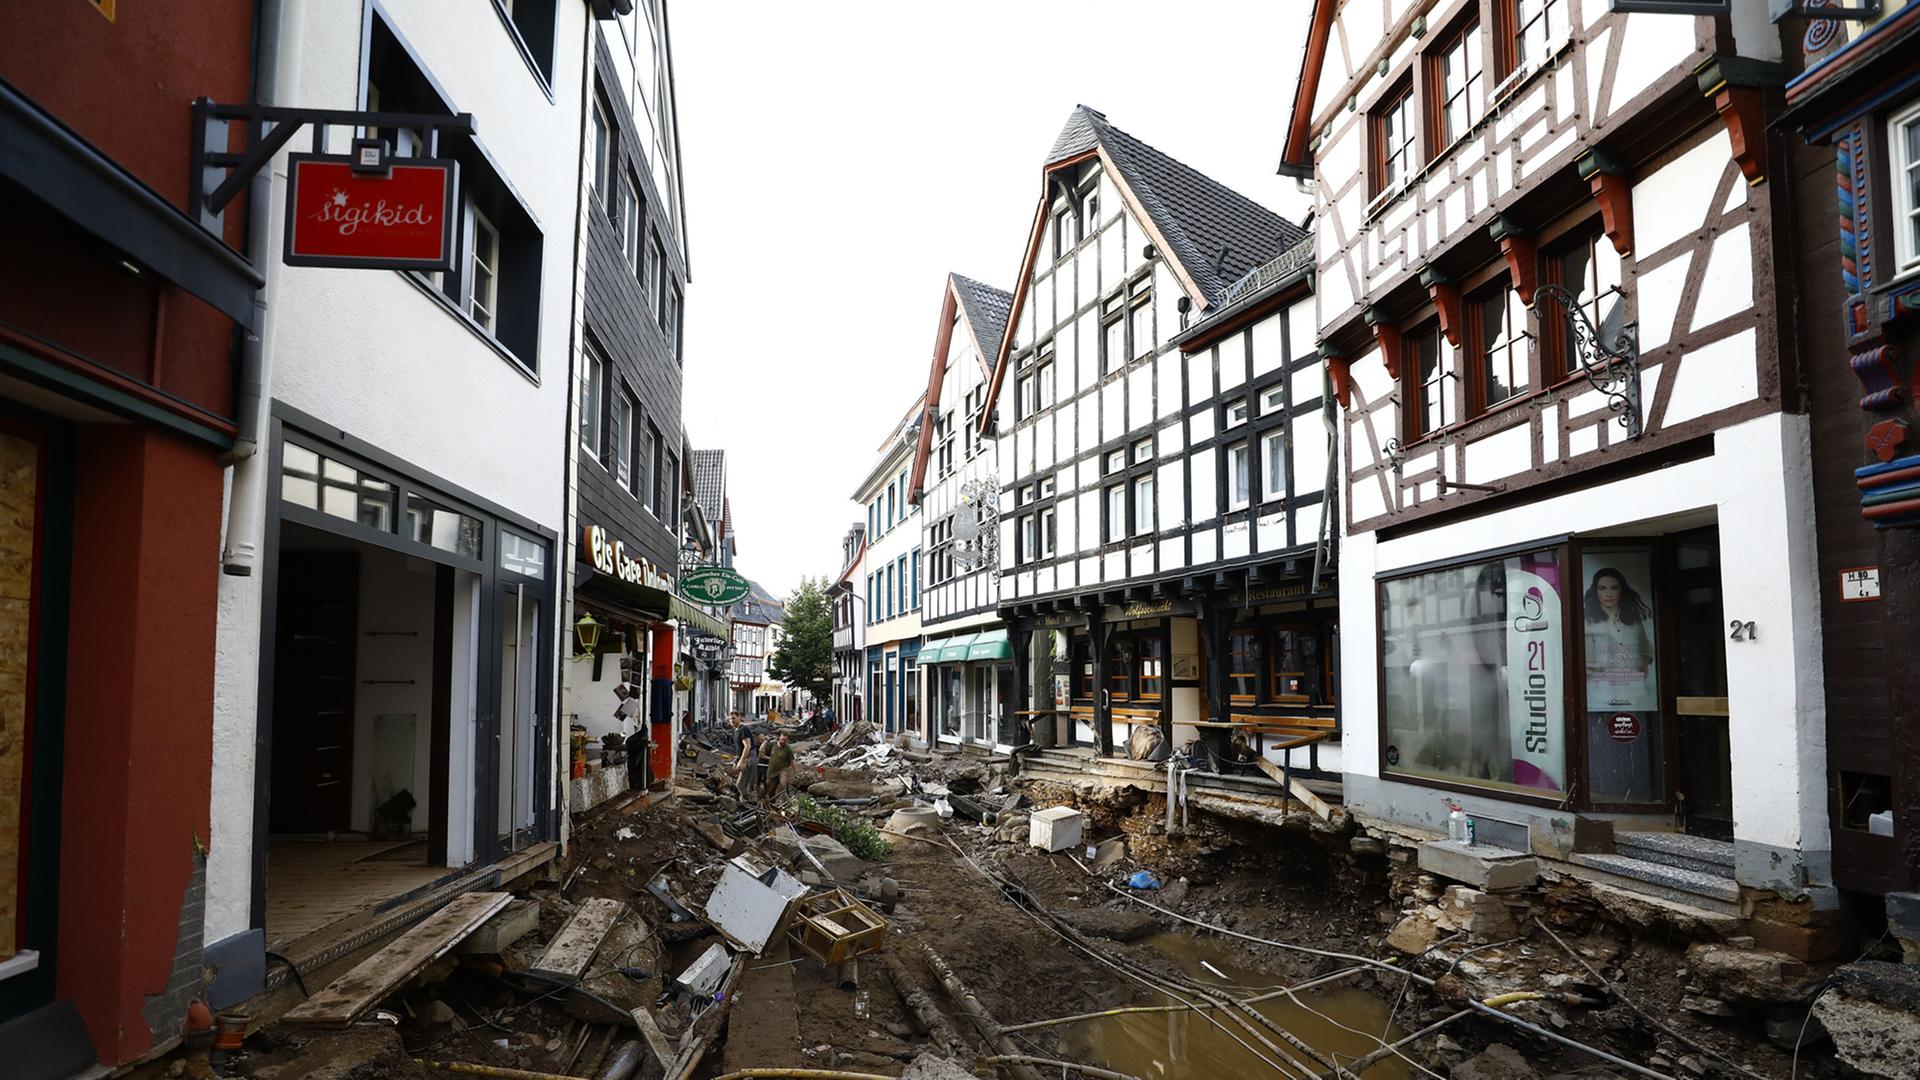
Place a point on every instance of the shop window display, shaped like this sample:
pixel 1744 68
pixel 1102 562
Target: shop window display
pixel 1473 658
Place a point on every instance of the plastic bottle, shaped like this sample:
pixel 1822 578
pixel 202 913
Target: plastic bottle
pixel 1456 823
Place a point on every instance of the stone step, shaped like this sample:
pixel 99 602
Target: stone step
pixel 1709 891
pixel 1700 854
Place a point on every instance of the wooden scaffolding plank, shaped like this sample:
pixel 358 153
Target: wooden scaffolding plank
pixel 572 949
pixel 342 1001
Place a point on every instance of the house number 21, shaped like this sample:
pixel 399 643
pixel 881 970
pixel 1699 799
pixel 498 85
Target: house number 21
pixel 1743 631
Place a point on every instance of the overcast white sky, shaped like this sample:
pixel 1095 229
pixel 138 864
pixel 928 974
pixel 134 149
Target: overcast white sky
pixel 841 157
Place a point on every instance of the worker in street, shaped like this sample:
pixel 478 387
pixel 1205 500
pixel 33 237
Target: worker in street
pixel 779 767
pixel 746 764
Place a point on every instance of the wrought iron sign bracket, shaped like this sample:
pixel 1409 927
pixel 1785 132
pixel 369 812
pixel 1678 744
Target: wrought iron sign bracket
pixel 1613 370
pixel 217 173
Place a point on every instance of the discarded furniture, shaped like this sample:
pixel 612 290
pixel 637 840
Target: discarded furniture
pixel 834 927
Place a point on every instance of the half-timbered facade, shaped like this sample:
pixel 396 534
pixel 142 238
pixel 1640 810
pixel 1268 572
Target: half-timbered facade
pixel 1853 106
pixel 1158 406
pixel 965 658
pixel 1578 575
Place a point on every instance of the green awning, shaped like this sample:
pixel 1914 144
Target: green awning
pixel 693 617
pixel 992 645
pixel 946 650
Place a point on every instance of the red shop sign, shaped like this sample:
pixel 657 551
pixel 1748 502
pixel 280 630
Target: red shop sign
pixel 1623 727
pixel 339 217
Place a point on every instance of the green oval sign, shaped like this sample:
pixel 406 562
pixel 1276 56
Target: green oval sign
pixel 714 585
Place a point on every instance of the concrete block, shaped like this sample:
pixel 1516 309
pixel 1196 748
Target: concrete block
pixel 1056 828
pixel 1107 852
pixel 1481 866
pixel 515 921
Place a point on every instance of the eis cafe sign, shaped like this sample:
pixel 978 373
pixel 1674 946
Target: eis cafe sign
pixel 609 556
pixel 346 211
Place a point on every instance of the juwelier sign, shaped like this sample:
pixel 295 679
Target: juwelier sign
pixel 342 212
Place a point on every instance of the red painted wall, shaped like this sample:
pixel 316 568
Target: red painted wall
pixel 124 85
pixel 56 282
pixel 139 726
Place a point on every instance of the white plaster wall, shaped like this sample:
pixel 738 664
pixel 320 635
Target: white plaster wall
pixel 367 351
pixel 1776 691
pixel 1758 484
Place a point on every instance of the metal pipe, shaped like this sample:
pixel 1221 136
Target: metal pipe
pixel 626 1061
pixel 282 23
pixel 468 1068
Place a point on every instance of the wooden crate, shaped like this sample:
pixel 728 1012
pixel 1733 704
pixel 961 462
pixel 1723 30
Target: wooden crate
pixel 834 928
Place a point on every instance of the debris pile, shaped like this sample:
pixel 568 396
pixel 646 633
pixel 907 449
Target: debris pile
pixel 897 911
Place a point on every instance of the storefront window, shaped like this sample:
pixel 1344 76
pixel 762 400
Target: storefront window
pixel 1474 664
pixel 1008 723
pixel 1082 667
pixel 1243 666
pixel 1296 665
pixel 1150 668
pixel 335 488
pixel 1120 670
pixel 910 691
pixel 522 555
pixel 951 699
pixel 1624 736
pixel 439 526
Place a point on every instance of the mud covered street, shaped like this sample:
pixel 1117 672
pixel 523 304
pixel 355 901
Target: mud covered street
pixel 1214 948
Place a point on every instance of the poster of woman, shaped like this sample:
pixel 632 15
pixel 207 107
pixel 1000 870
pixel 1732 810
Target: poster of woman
pixel 1618 605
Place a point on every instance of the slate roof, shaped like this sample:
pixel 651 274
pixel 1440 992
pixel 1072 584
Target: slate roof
pixel 986 309
pixel 1217 234
pixel 710 482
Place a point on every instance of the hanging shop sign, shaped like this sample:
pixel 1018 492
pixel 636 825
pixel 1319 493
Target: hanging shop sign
pixel 367 213
pixel 609 556
pixel 714 585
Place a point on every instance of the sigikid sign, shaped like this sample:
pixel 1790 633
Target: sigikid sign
pixel 609 556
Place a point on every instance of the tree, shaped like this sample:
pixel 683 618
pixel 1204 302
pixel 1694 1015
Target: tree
pixel 804 658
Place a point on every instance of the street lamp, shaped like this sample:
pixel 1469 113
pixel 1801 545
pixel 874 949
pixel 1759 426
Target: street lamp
pixel 588 631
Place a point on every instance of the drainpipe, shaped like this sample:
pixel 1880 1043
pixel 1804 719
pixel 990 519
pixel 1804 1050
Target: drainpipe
pixel 279 72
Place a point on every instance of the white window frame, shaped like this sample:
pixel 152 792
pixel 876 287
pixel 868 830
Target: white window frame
pixel 1116 514
pixel 1236 413
pixel 604 144
pixel 484 312
pixel 1273 481
pixel 626 410
pixel 1142 497
pixel 1143 450
pixel 1906 244
pixel 1239 477
pixel 630 218
pixel 592 396
pixel 1048 528
pixel 1272 400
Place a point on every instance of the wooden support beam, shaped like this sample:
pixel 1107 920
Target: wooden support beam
pixel 377 977
pixel 571 950
pixel 1295 788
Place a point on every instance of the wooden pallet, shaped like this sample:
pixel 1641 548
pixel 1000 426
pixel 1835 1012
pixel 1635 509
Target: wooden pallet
pixel 341 1001
pixel 572 949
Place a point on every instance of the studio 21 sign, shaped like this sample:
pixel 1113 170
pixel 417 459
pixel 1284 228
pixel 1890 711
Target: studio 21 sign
pixel 399 218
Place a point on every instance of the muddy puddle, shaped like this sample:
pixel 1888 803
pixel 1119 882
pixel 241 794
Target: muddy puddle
pixel 1339 1022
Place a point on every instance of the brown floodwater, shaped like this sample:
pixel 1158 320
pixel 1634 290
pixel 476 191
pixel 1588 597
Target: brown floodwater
pixel 1338 1021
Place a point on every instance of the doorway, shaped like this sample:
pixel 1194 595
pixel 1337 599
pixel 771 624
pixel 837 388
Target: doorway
pixel 520 637
pixel 1705 778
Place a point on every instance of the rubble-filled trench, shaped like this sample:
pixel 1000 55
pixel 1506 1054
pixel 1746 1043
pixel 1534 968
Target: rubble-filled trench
pixel 1235 911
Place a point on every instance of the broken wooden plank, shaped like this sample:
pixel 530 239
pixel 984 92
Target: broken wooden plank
pixel 342 1001
pixel 663 1051
pixel 566 957
pixel 1295 788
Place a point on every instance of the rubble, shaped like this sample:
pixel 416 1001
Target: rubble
pixel 710 880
